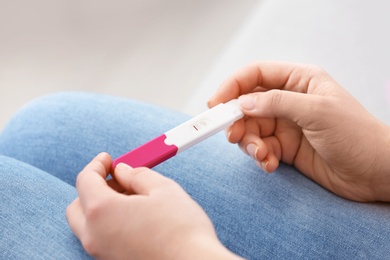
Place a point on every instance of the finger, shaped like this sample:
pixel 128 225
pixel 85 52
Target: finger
pixel 266 152
pixel 75 217
pixel 271 161
pixel 269 164
pixel 254 146
pixel 248 78
pixel 91 182
pixel 101 164
pixel 255 130
pixel 236 131
pixel 113 184
pixel 123 176
pixel 288 135
pixel 302 109
pixel 141 180
pixel 266 76
pixel 261 126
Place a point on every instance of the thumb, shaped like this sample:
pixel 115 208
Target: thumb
pixel 297 107
pixel 139 180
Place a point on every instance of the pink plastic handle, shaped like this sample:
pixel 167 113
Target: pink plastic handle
pixel 149 154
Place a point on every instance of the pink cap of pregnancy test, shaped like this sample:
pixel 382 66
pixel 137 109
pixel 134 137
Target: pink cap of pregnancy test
pixel 149 154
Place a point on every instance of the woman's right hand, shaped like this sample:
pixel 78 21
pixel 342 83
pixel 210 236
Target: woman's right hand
pixel 299 115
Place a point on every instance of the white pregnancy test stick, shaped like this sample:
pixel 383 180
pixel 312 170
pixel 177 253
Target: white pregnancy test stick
pixel 183 136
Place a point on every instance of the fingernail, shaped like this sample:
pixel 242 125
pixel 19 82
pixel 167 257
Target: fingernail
pixel 228 133
pixel 264 164
pixel 247 102
pixel 209 102
pixel 122 167
pixel 251 149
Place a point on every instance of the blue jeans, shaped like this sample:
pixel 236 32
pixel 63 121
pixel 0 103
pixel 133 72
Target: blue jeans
pixel 258 216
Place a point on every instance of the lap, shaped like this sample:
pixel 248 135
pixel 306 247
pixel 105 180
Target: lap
pixel 256 215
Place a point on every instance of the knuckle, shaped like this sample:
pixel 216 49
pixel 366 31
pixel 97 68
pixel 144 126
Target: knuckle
pixel 91 213
pixel 315 69
pixel 169 182
pixel 97 167
pixel 78 180
pixel 93 210
pixel 69 209
pixel 90 245
pixel 276 97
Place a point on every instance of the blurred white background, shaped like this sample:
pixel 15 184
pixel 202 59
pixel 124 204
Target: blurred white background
pixel 152 50
pixel 175 53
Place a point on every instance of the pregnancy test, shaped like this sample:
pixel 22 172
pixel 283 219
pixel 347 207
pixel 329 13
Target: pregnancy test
pixel 183 136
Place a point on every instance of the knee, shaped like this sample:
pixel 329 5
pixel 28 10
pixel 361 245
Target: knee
pixel 56 111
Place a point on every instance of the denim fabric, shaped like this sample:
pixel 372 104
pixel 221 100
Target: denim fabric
pixel 32 214
pixel 258 216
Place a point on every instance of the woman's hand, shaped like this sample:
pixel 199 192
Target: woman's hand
pixel 299 115
pixel 139 215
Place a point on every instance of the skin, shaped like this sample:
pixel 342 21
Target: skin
pixel 299 115
pixel 294 113
pixel 139 215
